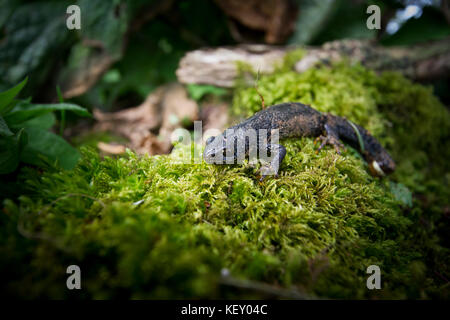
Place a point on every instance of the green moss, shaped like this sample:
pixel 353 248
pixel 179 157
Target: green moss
pixel 340 90
pixel 290 59
pixel 197 219
pixel 153 227
pixel 406 117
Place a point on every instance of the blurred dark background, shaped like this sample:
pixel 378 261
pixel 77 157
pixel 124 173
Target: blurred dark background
pixel 125 49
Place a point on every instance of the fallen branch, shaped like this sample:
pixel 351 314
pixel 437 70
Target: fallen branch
pixel 219 66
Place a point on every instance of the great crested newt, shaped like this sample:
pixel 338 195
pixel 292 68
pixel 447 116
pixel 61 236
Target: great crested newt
pixel 294 120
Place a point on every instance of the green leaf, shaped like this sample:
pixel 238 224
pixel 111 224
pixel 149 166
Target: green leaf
pixel 8 7
pixel 112 76
pixel 345 22
pixel 311 19
pixel 47 144
pixel 401 193
pixel 35 36
pixel 4 129
pixel 24 112
pixel 9 107
pixel 63 112
pixel 358 135
pixel 22 139
pixel 98 16
pixel 197 91
pixel 7 97
pixel 9 154
pixel 10 149
pixel 46 121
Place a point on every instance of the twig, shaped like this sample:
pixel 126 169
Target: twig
pixel 257 91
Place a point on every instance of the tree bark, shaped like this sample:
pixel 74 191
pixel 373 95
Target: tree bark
pixel 220 67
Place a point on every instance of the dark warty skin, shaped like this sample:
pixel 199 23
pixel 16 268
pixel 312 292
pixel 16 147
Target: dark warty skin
pixel 259 135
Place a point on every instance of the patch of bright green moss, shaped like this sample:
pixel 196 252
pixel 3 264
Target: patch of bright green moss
pixel 406 117
pixel 152 227
pixel 412 124
pixel 340 90
pixel 197 219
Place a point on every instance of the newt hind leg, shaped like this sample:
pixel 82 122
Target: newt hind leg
pixel 331 139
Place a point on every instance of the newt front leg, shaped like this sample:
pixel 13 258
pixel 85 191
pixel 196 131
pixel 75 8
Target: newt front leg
pixel 276 152
pixel 291 120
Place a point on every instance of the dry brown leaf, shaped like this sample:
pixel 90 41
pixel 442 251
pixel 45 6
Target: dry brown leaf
pixel 276 17
pixel 149 126
pixel 215 116
pixel 111 148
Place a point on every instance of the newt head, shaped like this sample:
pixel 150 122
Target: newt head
pixel 215 151
pixel 380 164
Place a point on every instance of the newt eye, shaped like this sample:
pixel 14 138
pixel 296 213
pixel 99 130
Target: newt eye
pixel 209 140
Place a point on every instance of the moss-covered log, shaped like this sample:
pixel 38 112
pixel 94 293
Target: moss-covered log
pixel 155 227
pixel 220 67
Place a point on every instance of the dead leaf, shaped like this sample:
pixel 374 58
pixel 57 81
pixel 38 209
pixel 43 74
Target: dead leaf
pixel 215 116
pixel 149 126
pixel 111 148
pixel 276 17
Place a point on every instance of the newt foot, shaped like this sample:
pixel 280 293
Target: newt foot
pixel 267 170
pixel 329 140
